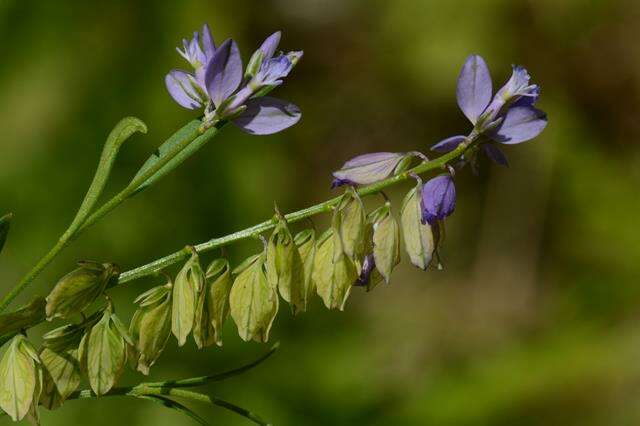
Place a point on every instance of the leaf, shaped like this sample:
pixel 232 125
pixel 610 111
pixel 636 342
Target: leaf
pixel 253 303
pixel 18 378
pixel 185 290
pixel 419 240
pixel 306 243
pixel 174 405
pixel 105 355
pixel 61 376
pixel 5 224
pixel 120 133
pixel 180 146
pixel 219 279
pixel 386 244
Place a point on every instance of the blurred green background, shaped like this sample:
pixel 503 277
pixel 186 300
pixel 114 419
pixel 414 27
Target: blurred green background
pixel 534 321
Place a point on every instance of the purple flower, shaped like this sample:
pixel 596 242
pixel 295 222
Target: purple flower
pixel 510 116
pixel 368 266
pixel 438 199
pixel 368 168
pixel 495 154
pixel 217 84
pixel 448 144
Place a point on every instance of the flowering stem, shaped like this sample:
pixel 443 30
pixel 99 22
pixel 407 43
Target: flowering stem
pixel 138 183
pixel 326 206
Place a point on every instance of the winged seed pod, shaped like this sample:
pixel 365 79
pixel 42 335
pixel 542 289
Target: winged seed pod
pixel 306 243
pixel 102 352
pixel 61 375
pixel 253 302
pixel 187 285
pixel 79 288
pixel 214 310
pixel 284 266
pixel 334 272
pixel 386 242
pixel 150 327
pixel 20 378
pixel 69 335
pixel 420 240
pixel 349 224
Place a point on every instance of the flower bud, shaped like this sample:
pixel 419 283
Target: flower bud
pixel 253 302
pixel 284 267
pixel 349 225
pixel 420 239
pixel 438 199
pixel 306 243
pixel 20 378
pixel 79 288
pixel 369 168
pixel 386 242
pixel 185 290
pixel 334 272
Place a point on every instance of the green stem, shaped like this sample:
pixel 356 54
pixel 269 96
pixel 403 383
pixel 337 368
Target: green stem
pixel 326 206
pixel 74 231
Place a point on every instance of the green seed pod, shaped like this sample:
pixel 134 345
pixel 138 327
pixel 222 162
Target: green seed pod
pixel 419 239
pixel 79 288
pixel 185 291
pixel 285 270
pixel 20 378
pixel 253 302
pixel 102 352
pixel 62 338
pixel 213 305
pixel 154 329
pixel 334 272
pixel 5 224
pixel 349 224
pixel 26 316
pixel 61 376
pixel 386 242
pixel 306 243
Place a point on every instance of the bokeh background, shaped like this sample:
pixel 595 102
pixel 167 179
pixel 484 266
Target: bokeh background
pixel 534 321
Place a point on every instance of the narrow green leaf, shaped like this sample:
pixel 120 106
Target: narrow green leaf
pixel 174 405
pixel 253 303
pixel 5 224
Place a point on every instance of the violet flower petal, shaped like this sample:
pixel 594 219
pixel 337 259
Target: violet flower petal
pixel 367 268
pixel 266 115
pixel 224 72
pixel 369 168
pixel 340 182
pixel 448 144
pixel 180 88
pixel 208 43
pixel 438 199
pixel 520 124
pixel 269 46
pixel 495 154
pixel 474 87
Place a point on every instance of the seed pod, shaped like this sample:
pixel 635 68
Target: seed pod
pixel 61 375
pixel 20 376
pixel 306 243
pixel 79 288
pixel 284 267
pixel 102 352
pixel 386 242
pixel 185 290
pixel 26 316
pixel 62 338
pixel 334 272
pixel 253 302
pixel 154 331
pixel 349 224
pixel 215 303
pixel 420 240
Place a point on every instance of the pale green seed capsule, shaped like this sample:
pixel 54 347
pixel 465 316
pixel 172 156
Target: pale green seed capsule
pixel 306 243
pixel 334 272
pixel 61 376
pixel 154 332
pixel 19 378
pixel 79 288
pixel 103 353
pixel 419 239
pixel 253 302
pixel 187 285
pixel 284 267
pixel 386 243
pixel 218 279
pixel 349 224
